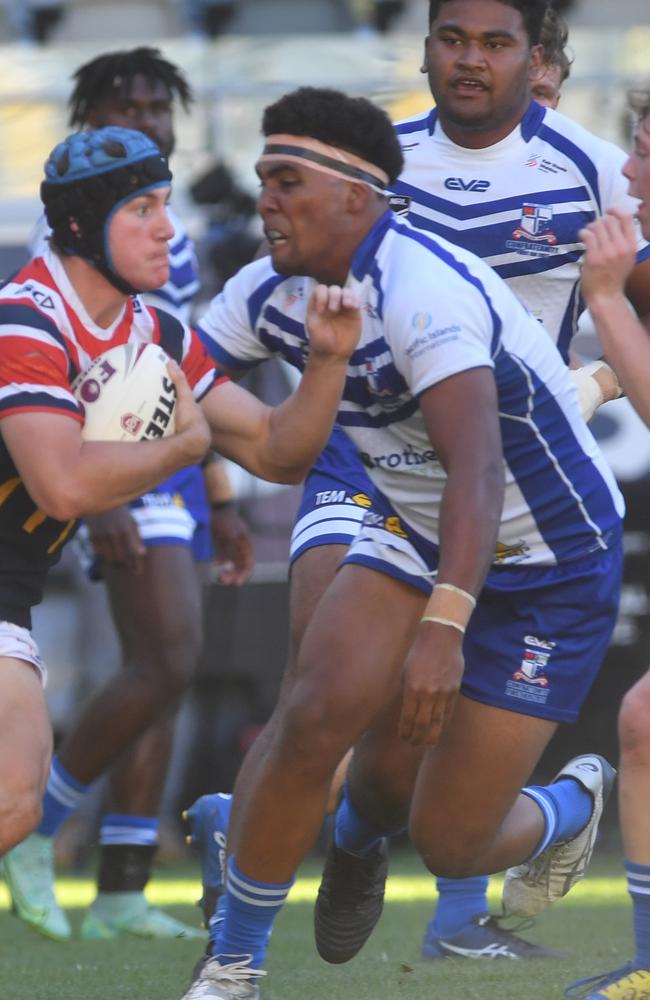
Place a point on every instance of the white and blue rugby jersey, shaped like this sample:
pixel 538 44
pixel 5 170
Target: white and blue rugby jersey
pixel 432 310
pixel 518 204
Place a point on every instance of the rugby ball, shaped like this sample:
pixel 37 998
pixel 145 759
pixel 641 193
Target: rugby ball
pixel 126 394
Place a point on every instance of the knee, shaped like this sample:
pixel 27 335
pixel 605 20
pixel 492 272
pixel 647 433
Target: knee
pixel 633 730
pixel 444 856
pixel 21 813
pixel 168 667
pixel 312 732
pixel 384 774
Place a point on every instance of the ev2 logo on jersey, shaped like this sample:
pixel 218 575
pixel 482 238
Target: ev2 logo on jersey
pixel 458 184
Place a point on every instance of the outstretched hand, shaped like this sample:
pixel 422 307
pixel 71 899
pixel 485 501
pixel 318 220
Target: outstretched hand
pixel 610 254
pixel 333 321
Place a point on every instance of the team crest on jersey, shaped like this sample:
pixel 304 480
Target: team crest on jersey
pixel 376 378
pixel 535 223
pixel 399 203
pixel 534 236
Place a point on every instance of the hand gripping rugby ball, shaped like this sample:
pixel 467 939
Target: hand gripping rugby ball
pixel 126 394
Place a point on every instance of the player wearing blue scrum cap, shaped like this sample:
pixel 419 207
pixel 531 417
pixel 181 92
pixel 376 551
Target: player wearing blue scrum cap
pixel 83 189
pixel 58 313
pixel 153 556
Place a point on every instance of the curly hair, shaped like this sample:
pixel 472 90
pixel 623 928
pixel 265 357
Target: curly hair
pixel 354 124
pixel 532 13
pixel 112 74
pixel 554 39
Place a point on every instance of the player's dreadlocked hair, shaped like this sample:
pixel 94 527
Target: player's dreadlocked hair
pixel 532 12
pixel 354 124
pixel 112 74
pixel 554 39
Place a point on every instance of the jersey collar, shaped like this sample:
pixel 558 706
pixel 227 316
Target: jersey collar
pixel 364 256
pixel 529 126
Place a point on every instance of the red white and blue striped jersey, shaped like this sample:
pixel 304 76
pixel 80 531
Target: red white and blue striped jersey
pixel 47 338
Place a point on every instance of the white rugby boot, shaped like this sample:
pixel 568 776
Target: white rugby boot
pixel 232 981
pixel 532 886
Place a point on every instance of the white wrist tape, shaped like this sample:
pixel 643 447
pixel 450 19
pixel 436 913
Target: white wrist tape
pixel 590 395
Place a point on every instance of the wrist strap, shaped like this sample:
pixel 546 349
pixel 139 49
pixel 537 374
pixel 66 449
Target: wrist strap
pixel 457 590
pixel 449 605
pixel 444 621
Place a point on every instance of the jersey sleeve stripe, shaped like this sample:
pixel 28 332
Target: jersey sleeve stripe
pixel 258 298
pixel 220 355
pixel 15 316
pixel 171 333
pixel 38 403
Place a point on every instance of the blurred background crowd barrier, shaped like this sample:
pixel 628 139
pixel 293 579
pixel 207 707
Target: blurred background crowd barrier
pixel 239 55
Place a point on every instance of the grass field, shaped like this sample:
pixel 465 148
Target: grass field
pixel 593 925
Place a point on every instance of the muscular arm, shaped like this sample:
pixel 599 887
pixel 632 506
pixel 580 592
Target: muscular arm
pixel 462 421
pixel 67 477
pixel 281 443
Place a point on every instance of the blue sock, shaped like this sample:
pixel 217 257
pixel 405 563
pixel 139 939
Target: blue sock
pixel 638 884
pixel 63 794
pixel 354 834
pixel 123 829
pixel 459 901
pixel 566 807
pixel 249 912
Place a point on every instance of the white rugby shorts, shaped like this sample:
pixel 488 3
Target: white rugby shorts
pixel 19 644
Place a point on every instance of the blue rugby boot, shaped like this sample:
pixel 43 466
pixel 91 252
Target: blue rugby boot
pixel 207 820
pixel 484 937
